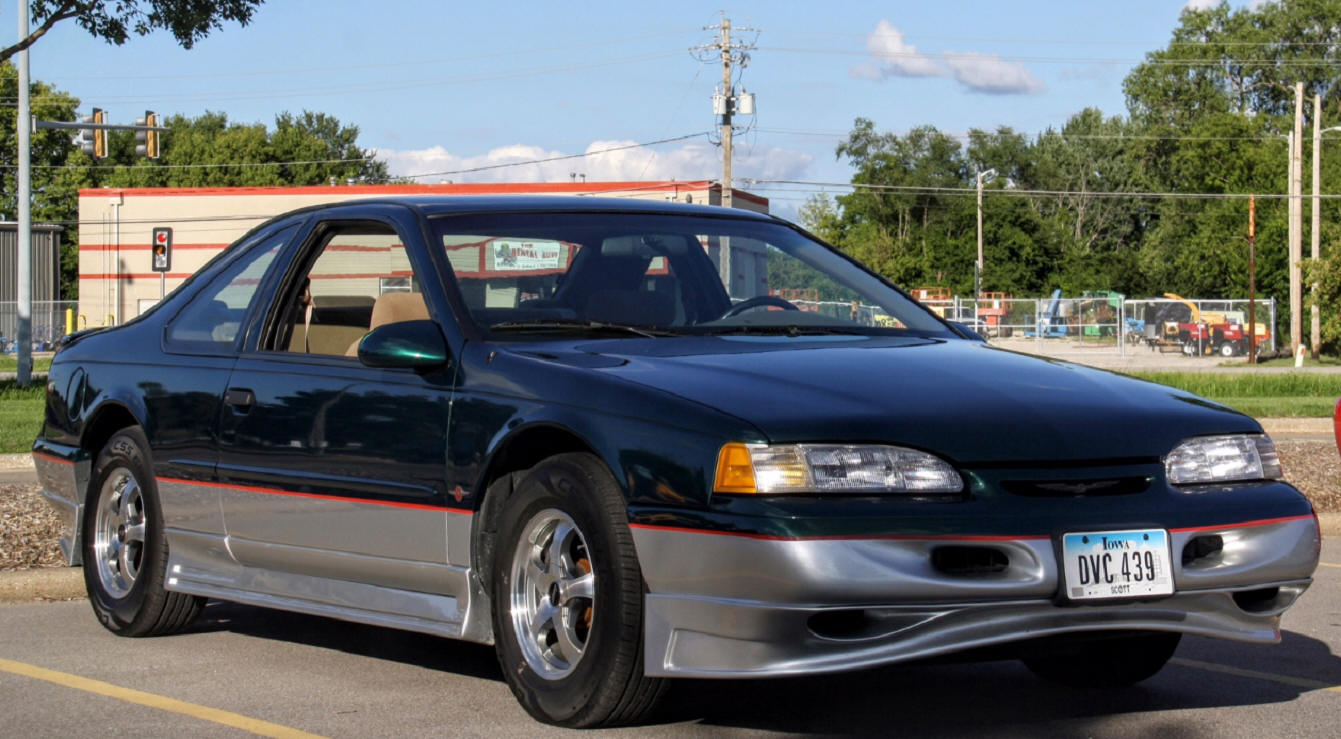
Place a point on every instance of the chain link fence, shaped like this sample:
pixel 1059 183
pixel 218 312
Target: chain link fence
pixel 51 319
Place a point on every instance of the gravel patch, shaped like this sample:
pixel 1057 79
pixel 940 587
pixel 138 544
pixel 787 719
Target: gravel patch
pixel 1314 467
pixel 29 529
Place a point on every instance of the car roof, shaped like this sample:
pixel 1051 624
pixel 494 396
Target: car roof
pixel 436 205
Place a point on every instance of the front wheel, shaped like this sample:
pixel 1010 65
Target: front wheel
pixel 567 598
pixel 1108 662
pixel 125 552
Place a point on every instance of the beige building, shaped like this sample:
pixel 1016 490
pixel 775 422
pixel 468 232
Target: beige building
pixel 116 227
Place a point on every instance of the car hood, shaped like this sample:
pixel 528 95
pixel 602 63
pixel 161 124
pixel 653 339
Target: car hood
pixel 965 400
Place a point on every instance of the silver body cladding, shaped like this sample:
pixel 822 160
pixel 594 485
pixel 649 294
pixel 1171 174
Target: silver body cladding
pixel 723 605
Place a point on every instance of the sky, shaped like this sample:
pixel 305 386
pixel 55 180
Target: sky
pixel 436 88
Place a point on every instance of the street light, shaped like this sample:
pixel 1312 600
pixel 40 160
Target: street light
pixel 987 176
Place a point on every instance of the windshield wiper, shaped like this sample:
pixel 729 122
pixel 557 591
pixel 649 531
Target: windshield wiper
pixel 569 324
pixel 788 330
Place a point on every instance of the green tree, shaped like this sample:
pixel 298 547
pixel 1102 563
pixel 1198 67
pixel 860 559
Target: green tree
pixel 210 151
pixel 114 20
pixel 1326 274
pixel 55 189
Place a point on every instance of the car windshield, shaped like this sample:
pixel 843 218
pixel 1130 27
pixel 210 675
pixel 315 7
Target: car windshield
pixel 549 274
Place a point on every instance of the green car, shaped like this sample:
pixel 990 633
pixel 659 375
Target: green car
pixel 625 442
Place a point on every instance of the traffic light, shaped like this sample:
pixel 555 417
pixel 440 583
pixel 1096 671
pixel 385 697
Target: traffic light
pixel 162 249
pixel 93 141
pixel 147 141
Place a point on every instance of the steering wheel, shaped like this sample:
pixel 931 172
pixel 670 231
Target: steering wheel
pixel 757 301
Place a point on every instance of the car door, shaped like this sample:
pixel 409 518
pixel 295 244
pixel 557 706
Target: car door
pixel 183 392
pixel 333 470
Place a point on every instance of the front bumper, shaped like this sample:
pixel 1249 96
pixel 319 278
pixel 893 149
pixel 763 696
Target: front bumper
pixel 732 605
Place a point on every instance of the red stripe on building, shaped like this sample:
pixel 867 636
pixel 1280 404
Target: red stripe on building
pixel 483 188
pixel 146 246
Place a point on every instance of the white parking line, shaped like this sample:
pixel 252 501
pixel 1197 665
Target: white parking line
pixel 1296 682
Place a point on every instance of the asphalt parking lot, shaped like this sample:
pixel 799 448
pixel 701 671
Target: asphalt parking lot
pixel 244 669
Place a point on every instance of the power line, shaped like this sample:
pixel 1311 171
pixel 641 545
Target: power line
pixel 556 158
pixel 212 165
pixel 979 56
pixel 1019 192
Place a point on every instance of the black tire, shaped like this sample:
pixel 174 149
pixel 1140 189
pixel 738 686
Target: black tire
pixel 125 552
pixel 592 675
pixel 1108 662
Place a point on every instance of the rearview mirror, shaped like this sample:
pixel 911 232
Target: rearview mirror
pixel 405 344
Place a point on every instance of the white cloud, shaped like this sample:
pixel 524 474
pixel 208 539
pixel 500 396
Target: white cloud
pixel 990 74
pixel 608 161
pixel 1201 4
pixel 893 57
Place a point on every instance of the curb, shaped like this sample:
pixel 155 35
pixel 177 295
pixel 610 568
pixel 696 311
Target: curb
pixel 16 461
pixel 51 583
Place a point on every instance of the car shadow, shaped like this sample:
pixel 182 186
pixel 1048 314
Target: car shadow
pixel 1003 697
pixel 921 699
pixel 406 647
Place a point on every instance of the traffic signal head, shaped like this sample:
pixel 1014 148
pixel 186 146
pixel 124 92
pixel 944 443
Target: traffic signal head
pixel 147 142
pixel 93 141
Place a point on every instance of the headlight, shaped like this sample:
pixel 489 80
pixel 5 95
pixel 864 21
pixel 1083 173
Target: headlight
pixel 1222 459
pixel 832 468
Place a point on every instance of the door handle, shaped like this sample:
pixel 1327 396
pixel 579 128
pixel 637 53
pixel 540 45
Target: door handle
pixel 240 398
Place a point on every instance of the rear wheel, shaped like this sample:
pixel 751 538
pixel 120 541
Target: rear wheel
pixel 1110 662
pixel 567 597
pixel 125 553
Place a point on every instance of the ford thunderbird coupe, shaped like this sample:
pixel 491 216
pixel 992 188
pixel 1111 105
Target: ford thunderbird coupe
pixel 625 442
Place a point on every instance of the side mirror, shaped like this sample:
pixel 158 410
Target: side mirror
pixel 967 332
pixel 405 344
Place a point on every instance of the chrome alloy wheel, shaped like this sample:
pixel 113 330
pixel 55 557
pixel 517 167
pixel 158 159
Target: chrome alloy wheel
pixel 553 593
pixel 119 533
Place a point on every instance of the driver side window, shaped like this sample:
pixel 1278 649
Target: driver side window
pixel 360 278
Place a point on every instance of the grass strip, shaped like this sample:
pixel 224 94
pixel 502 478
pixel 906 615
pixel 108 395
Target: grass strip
pixel 1219 385
pixel 20 415
pixel 10 363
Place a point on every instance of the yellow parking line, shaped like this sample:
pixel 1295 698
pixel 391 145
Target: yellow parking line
pixel 1297 682
pixel 163 703
pixel 1327 564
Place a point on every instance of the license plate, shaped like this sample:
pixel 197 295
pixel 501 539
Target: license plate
pixel 1117 564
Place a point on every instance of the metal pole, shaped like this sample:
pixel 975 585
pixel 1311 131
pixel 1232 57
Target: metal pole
pixel 24 293
pixel 726 118
pixel 1296 220
pixel 1315 227
pixel 1252 279
pixel 977 269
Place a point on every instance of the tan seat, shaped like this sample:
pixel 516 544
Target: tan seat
pixel 393 308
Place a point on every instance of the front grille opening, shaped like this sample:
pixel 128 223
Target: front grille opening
pixel 844 624
pixel 1089 488
pixel 1201 548
pixel 962 560
pixel 1262 600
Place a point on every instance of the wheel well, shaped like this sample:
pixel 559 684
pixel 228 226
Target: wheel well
pixel 518 454
pixel 105 423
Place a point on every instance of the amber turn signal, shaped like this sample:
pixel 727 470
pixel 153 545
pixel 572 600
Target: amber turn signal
pixel 735 470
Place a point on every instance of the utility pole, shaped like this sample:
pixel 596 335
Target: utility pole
pixel 1315 227
pixel 24 237
pixel 727 103
pixel 1297 220
pixel 977 268
pixel 727 185
pixel 1252 279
